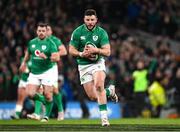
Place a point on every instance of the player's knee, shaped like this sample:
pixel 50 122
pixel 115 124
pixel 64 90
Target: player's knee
pixel 48 96
pixel 21 94
pixel 99 87
pixel 55 90
pixel 92 98
pixel 31 94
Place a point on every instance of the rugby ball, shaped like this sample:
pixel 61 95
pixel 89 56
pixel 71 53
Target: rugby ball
pixel 93 57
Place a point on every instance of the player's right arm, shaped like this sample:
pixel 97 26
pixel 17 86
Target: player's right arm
pixel 73 46
pixel 23 64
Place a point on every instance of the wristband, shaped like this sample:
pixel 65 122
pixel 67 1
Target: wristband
pixel 80 54
pixel 99 51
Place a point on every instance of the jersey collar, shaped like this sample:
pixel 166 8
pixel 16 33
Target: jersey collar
pixel 41 39
pixel 88 29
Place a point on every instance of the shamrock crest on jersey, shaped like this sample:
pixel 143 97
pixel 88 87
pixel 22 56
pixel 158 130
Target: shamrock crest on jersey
pixel 95 37
pixel 43 47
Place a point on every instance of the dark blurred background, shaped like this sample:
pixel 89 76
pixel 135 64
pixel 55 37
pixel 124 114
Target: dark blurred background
pixel 139 30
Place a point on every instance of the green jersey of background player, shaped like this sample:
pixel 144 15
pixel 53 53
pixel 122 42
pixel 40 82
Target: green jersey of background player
pixel 61 52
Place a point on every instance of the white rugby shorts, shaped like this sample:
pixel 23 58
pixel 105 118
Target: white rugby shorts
pixel 22 84
pixel 86 71
pixel 49 78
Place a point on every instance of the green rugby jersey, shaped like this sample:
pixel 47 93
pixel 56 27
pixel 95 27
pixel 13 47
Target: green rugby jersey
pixel 35 47
pixel 56 41
pixel 81 36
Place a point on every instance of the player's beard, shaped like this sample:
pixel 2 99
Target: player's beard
pixel 90 26
pixel 41 36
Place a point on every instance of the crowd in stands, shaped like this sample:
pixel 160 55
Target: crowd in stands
pixel 18 22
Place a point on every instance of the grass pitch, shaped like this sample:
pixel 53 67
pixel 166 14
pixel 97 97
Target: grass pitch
pixel 91 125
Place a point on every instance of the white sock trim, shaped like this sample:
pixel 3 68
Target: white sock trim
pixel 18 108
pixel 104 114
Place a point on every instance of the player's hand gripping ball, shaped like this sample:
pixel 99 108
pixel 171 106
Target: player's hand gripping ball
pixel 92 56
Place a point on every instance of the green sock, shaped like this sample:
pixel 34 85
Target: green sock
pixel 107 92
pixel 48 105
pixel 40 97
pixel 37 107
pixel 18 113
pixel 103 107
pixel 58 100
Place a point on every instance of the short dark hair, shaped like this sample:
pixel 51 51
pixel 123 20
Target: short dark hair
pixel 48 24
pixel 41 24
pixel 90 12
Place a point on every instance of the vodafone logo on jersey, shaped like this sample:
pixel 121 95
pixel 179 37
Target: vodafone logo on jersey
pixel 37 52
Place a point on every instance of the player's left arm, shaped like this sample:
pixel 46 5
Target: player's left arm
pixel 55 57
pixel 104 50
pixel 62 50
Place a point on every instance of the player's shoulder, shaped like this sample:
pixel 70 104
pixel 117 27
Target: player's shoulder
pixel 79 28
pixel 34 40
pixel 100 28
pixel 52 37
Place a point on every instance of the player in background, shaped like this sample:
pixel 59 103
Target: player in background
pixel 62 52
pixel 57 95
pixel 22 93
pixel 90 44
pixel 42 53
